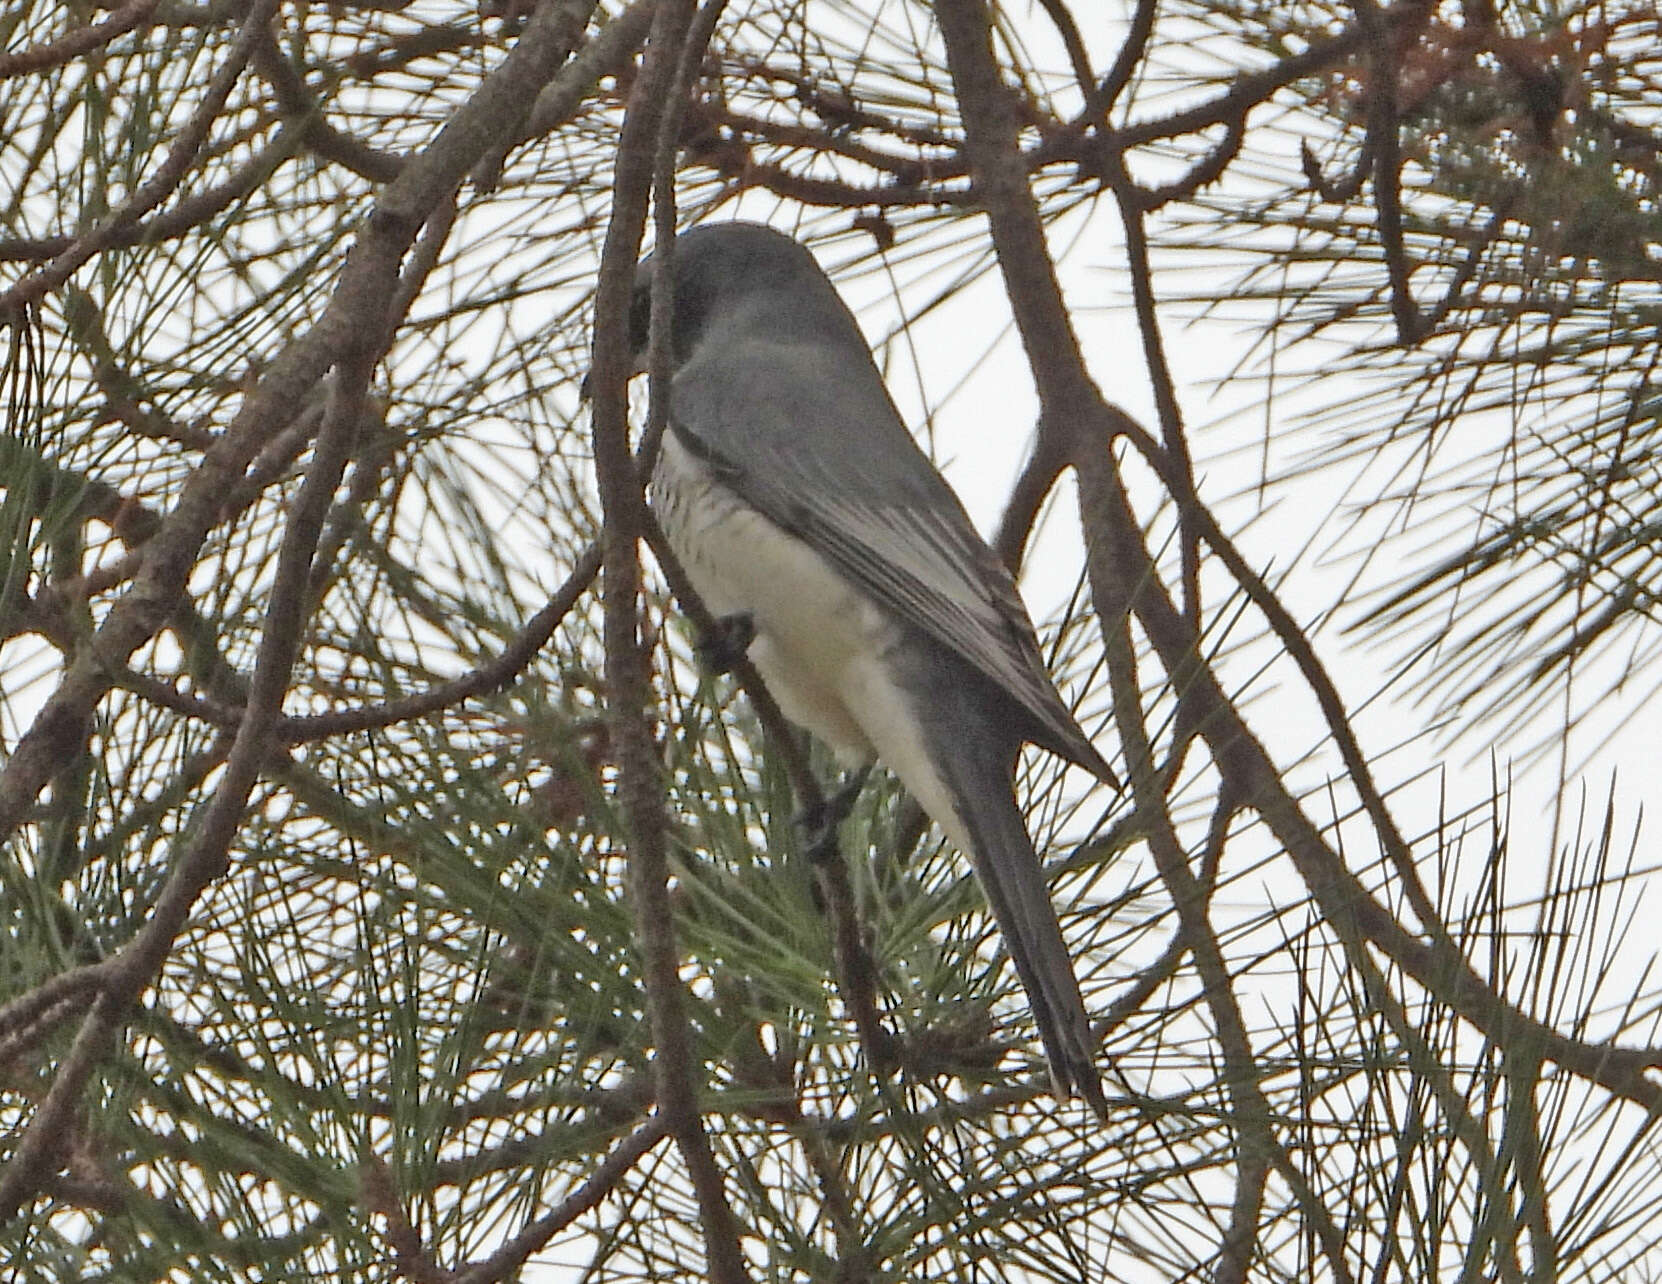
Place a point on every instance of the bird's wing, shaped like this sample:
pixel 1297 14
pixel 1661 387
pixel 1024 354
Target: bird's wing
pixel 819 449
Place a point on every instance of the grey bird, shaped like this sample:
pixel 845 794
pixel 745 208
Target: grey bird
pixel 804 512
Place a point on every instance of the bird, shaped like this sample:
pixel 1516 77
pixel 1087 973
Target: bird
pixel 834 553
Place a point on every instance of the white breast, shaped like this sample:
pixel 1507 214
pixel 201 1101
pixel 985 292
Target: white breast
pixel 816 634
pixel 822 646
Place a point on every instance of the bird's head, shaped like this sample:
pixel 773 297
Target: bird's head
pixel 735 279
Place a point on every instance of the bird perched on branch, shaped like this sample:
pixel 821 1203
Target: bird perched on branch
pixel 817 531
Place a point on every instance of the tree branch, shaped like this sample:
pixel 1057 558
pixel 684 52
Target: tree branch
pixel 74 44
pixel 640 785
pixel 503 1263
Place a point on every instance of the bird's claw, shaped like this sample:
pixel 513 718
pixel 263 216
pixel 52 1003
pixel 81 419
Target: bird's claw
pixel 819 823
pixel 720 650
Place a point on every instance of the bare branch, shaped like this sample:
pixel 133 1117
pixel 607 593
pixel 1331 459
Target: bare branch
pixel 502 1264
pixel 75 44
pixel 627 662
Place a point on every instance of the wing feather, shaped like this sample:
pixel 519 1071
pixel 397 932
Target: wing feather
pixel 824 455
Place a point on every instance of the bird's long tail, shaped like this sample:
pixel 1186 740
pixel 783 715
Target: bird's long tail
pixel 1009 869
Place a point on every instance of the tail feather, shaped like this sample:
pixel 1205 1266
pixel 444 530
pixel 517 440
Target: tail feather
pixel 1009 870
pixel 953 739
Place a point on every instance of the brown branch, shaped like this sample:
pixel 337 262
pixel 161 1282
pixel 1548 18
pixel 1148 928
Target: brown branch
pixel 120 387
pixel 27 1019
pixel 1336 191
pixel 1208 169
pixel 1079 61
pixel 1038 478
pixel 836 108
pixel 400 49
pixel 640 783
pixel 732 159
pixel 411 1260
pixel 1384 142
pixel 1524 1147
pixel 713 128
pixel 497 672
pixel 605 54
pixel 297 102
pixel 1167 406
pixel 1100 104
pixel 1001 183
pixel 856 972
pixel 1248 90
pixel 83 40
pixel 191 211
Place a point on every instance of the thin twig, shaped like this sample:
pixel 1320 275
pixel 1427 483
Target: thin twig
pixel 83 40
pixel 503 1263
pixel 297 103
pixel 1044 468
pixel 31 1015
pixel 169 174
pixel 612 46
pixel 184 217
pixel 120 387
pixel 1167 406
pixel 1099 106
pixel 1384 143
pixel 411 1259
pixel 497 672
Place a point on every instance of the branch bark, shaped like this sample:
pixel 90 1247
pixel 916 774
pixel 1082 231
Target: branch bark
pixel 641 782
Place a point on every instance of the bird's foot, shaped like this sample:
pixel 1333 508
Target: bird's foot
pixel 720 650
pixel 820 823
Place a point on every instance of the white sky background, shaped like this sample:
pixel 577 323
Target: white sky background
pixel 970 371
pixel 972 376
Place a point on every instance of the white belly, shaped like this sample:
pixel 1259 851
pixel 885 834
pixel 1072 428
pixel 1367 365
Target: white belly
pixel 822 646
pixel 816 634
